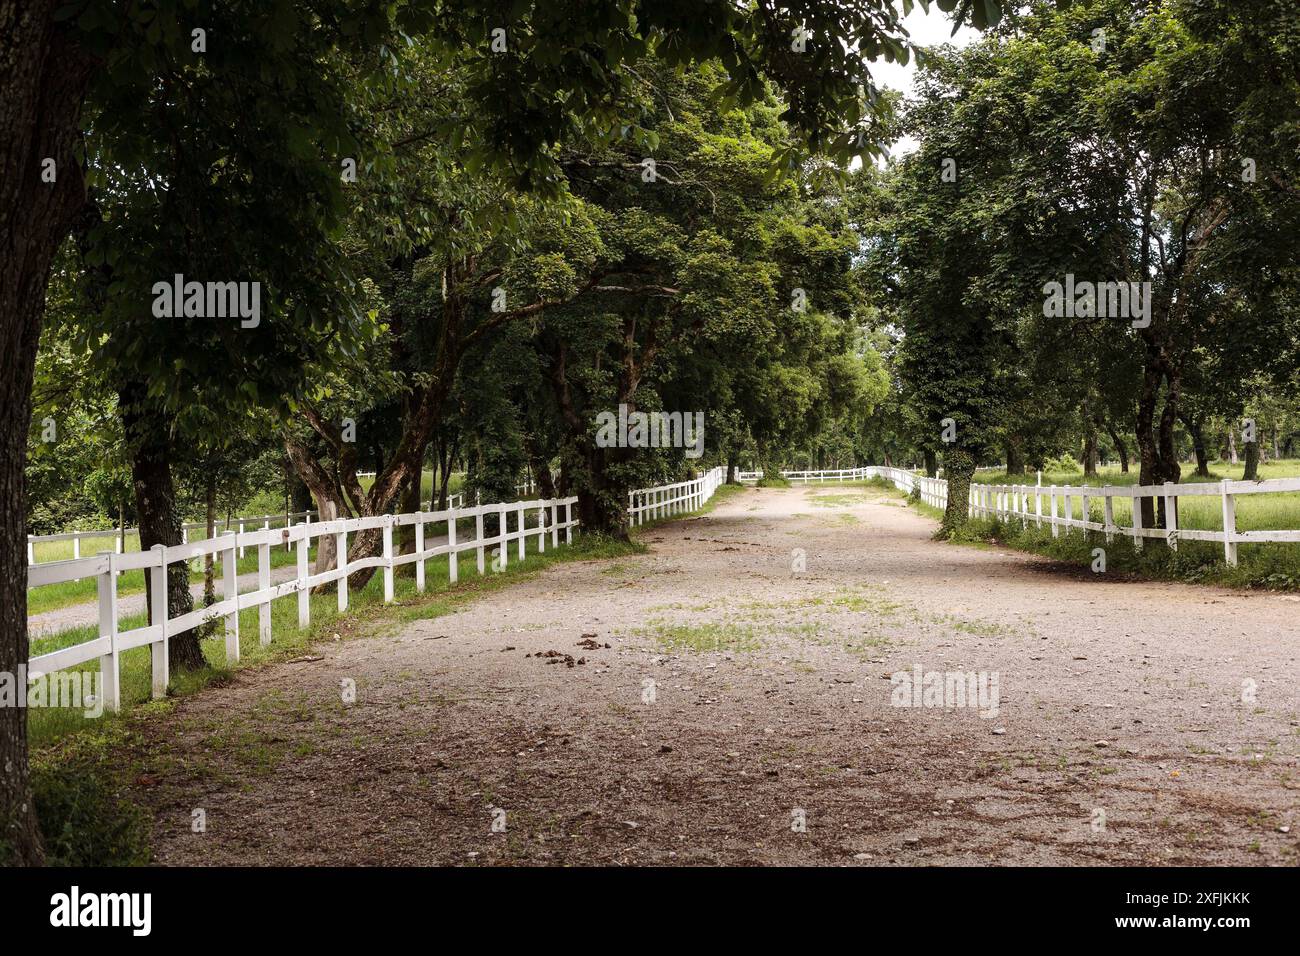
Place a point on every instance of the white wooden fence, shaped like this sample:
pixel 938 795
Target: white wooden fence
pixel 242 524
pixel 531 519
pixel 1054 505
pixel 662 501
pixel 534 519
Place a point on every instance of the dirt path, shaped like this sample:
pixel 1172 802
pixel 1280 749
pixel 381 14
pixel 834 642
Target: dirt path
pixel 1121 734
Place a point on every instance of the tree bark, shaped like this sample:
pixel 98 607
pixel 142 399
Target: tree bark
pixel 931 463
pixel 958 468
pixel 1121 447
pixel 1197 432
pixel 1252 461
pixel 1015 458
pixel 43 81
pixel 148 434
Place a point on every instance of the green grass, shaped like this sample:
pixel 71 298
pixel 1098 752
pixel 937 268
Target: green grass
pixel 699 638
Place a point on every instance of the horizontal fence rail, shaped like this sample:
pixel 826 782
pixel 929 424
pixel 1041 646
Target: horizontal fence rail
pixel 1054 505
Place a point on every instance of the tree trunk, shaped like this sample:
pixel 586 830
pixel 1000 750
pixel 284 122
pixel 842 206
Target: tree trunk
pixel 1252 461
pixel 329 503
pixel 958 468
pixel 148 435
pixel 43 80
pixel 1121 448
pixel 733 468
pixel 1232 445
pixel 410 504
pixel 1015 458
pixel 1197 433
pixel 931 463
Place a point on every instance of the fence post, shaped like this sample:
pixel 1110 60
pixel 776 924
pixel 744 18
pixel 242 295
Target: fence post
pixel 419 550
pixel 1171 518
pixel 523 538
pixel 541 529
pixel 452 565
pixel 1056 529
pixel 1108 515
pixel 1137 521
pixel 1229 523
pixel 503 530
pixel 158 604
pixel 341 564
pixel 108 663
pixel 304 593
pixel 230 592
pixel 555 523
pixel 387 530
pixel 568 522
pixel 264 582
pixel 478 533
pixel 241 531
pixel 1084 509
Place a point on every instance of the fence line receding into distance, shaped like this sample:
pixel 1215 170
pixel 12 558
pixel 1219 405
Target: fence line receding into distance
pixel 1053 505
pixel 535 519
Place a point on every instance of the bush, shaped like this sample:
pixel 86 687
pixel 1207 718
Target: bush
pixel 84 820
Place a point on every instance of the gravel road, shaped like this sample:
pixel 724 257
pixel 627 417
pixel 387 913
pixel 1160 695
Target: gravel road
pixel 730 708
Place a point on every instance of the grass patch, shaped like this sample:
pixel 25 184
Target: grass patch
pixel 701 638
pixel 838 501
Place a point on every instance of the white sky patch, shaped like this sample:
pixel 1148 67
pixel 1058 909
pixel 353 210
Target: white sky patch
pixel 930 29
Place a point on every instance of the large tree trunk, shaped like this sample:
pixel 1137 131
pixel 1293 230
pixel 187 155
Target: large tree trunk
pixel 43 80
pixel 1089 443
pixel 1252 461
pixel 329 502
pixel 958 469
pixel 148 435
pixel 1197 433
pixel 1015 457
pixel 931 463
pixel 1159 461
pixel 733 468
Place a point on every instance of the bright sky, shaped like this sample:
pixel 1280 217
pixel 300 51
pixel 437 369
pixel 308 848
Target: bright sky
pixel 929 29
